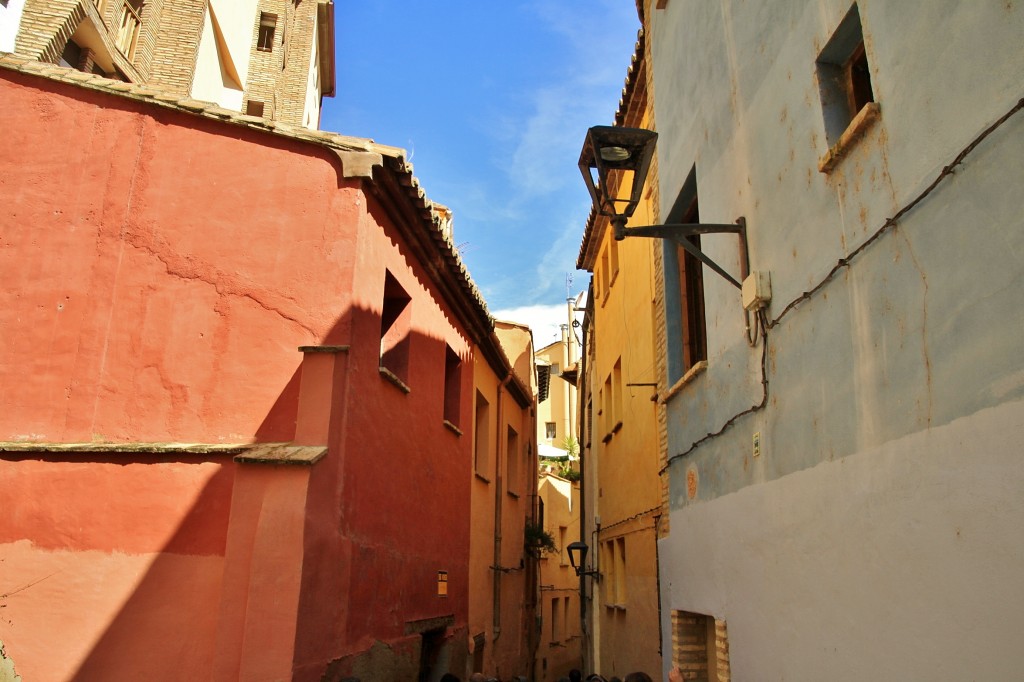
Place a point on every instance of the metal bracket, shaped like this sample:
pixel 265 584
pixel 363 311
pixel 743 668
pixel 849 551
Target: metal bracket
pixel 678 232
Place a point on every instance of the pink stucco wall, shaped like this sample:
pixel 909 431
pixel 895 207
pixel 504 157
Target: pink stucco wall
pixel 160 271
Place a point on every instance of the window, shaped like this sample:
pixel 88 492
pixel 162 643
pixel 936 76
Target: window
pixel 550 430
pixel 395 336
pixel 620 571
pixel 562 545
pixel 254 108
pixel 482 421
pixel 844 82
pixel 613 260
pixel 617 395
pixel 452 386
pixel 684 289
pixel 556 619
pixel 71 56
pixel 606 408
pixel 700 646
pixel 614 560
pixel 512 456
pixel 128 28
pixel 265 37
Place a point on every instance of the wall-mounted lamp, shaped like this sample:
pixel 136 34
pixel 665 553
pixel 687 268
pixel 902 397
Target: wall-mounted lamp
pixel 577 558
pixel 626 154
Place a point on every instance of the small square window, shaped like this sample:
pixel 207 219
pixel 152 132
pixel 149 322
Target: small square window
pixel 254 108
pixel 265 37
pixel 844 82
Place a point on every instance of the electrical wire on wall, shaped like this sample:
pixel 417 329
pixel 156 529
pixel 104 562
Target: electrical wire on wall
pixel 763 324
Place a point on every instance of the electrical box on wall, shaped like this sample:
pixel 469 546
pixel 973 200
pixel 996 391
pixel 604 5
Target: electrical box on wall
pixel 757 290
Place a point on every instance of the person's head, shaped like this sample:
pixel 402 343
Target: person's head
pixel 477 677
pixel 575 675
pixel 638 677
pixel 594 677
pixel 448 677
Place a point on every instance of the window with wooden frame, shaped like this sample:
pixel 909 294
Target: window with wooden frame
pixel 844 83
pixel 452 387
pixel 482 437
pixel 265 35
pixel 395 332
pixel 128 28
pixel 684 289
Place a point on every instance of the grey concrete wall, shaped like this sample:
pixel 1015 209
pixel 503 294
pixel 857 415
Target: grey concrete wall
pixel 897 389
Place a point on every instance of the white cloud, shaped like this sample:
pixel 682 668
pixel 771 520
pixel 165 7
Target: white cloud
pixel 543 320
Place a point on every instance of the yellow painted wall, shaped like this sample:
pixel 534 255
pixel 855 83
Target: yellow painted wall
pixel 504 474
pixel 560 633
pixel 561 395
pixel 623 461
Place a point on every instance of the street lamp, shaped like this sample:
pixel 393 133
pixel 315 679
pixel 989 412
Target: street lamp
pixel 615 162
pixel 577 558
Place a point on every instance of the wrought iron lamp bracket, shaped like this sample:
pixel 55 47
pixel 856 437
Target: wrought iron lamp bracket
pixel 680 232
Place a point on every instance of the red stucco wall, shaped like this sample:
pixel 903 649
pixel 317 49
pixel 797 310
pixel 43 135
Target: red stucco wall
pixel 160 271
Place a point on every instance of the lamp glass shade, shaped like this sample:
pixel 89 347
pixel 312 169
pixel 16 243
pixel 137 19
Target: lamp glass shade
pixel 577 555
pixel 623 154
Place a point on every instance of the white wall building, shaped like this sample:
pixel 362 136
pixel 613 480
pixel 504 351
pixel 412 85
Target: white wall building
pixel 863 519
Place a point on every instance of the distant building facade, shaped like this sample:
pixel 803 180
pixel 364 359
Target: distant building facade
pixel 272 59
pixel 503 570
pixel 561 632
pixel 625 504
pixel 844 464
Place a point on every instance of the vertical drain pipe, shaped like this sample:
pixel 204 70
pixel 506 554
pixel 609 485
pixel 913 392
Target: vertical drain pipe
pixel 498 479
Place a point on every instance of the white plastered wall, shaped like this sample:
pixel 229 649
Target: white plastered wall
pixel 219 62
pixel 10 20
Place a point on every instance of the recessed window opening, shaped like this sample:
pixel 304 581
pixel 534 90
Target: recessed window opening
pixel 550 430
pixel 128 28
pixel 254 108
pixel 844 76
pixel 481 460
pixel 395 329
pixel 452 385
pixel 265 37
pixel 512 455
pixel 700 646
pixel 684 286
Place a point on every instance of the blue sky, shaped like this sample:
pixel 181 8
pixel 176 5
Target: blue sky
pixel 491 100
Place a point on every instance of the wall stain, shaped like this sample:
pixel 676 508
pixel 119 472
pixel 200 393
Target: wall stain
pixel 924 323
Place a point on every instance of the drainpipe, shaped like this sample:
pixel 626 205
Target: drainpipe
pixel 498 479
pixel 581 387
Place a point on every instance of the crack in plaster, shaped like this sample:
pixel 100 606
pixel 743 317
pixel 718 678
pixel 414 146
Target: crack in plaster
pixel 924 322
pixel 185 268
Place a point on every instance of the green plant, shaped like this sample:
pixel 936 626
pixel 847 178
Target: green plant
pixel 538 541
pixel 571 474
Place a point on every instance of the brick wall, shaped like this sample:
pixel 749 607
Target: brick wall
pixel 46 26
pixel 700 647
pixel 278 78
pixel 172 61
pixel 660 341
